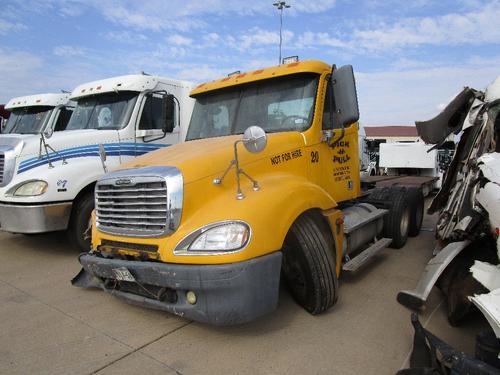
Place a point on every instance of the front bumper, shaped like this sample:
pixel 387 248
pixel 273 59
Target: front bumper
pixel 227 294
pixel 34 218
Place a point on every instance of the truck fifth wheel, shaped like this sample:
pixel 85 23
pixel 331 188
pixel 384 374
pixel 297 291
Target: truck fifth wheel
pixel 266 186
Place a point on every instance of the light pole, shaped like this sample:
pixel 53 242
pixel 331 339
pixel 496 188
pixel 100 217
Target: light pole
pixel 281 5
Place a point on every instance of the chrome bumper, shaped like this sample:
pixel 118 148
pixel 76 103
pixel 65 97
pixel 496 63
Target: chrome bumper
pixel 34 218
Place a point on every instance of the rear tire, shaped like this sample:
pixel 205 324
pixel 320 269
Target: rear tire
pixel 416 202
pixel 78 230
pixel 396 221
pixel 309 264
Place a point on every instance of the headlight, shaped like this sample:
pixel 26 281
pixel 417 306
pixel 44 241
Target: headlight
pixel 30 188
pixel 227 236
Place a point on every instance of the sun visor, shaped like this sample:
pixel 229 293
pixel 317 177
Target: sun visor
pixel 450 120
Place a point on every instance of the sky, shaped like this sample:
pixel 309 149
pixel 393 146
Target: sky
pixel 410 58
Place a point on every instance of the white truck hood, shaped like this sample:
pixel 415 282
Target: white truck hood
pixel 70 138
pixel 64 145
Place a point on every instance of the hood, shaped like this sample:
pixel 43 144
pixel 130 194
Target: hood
pixel 13 142
pixel 201 158
pixel 69 138
pixel 450 120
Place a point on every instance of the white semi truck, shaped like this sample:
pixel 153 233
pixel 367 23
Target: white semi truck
pixel 47 180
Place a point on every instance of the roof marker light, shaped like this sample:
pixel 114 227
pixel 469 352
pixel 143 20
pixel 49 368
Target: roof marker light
pixel 258 71
pixel 98 87
pixel 290 59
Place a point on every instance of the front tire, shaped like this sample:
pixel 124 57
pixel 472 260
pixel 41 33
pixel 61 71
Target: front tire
pixel 78 231
pixel 309 264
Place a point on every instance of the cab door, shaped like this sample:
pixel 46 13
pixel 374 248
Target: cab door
pixel 337 155
pixel 157 124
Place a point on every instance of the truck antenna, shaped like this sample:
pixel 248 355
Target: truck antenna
pixel 280 5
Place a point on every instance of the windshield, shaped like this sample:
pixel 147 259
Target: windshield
pixel 276 105
pixel 27 120
pixel 103 112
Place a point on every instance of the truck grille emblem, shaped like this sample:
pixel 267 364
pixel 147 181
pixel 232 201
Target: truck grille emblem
pixel 123 181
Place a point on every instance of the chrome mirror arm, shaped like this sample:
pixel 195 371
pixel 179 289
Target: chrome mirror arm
pixel 235 162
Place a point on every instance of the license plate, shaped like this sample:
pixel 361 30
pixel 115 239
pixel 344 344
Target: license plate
pixel 123 274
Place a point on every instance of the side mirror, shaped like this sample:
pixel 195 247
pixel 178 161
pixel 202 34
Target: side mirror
pixel 345 98
pixel 48 132
pixel 254 139
pixel 169 108
pixel 103 157
pixel 102 152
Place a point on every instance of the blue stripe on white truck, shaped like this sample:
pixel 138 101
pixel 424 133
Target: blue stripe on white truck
pixel 112 149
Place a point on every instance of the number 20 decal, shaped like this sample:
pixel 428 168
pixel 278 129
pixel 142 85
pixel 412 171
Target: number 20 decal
pixel 314 157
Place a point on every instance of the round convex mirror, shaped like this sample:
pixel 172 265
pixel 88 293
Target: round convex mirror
pixel 255 139
pixel 48 133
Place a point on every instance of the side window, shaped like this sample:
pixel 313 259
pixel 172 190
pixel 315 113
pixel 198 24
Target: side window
pixel 153 116
pixel 63 119
pixel 326 109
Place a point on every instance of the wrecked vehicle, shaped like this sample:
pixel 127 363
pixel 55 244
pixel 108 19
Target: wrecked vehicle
pixel 465 265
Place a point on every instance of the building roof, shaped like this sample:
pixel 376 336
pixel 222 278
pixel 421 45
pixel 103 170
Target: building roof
pixel 391 131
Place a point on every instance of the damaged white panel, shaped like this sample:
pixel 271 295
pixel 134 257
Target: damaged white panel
pixel 489 198
pixel 490 166
pixel 489 304
pixel 472 115
pixel 487 274
pixel 493 90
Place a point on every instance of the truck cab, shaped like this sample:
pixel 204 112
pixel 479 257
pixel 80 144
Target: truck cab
pixel 266 184
pixel 35 114
pixel 49 178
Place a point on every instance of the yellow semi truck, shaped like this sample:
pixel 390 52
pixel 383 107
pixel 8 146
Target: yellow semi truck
pixel 267 185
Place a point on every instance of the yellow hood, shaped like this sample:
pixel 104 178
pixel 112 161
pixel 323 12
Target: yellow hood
pixel 205 157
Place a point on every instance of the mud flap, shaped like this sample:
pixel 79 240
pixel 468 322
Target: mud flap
pixel 86 280
pixel 431 355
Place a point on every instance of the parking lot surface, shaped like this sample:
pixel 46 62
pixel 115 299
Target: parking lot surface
pixel 47 326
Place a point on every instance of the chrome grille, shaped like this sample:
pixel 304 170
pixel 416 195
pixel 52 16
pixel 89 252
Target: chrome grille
pixel 140 202
pixel 140 209
pixel 2 165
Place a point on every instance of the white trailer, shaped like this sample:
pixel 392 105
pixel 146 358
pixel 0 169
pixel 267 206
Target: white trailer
pixel 47 180
pixel 413 159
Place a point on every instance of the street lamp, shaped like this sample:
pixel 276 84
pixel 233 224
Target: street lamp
pixel 281 5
